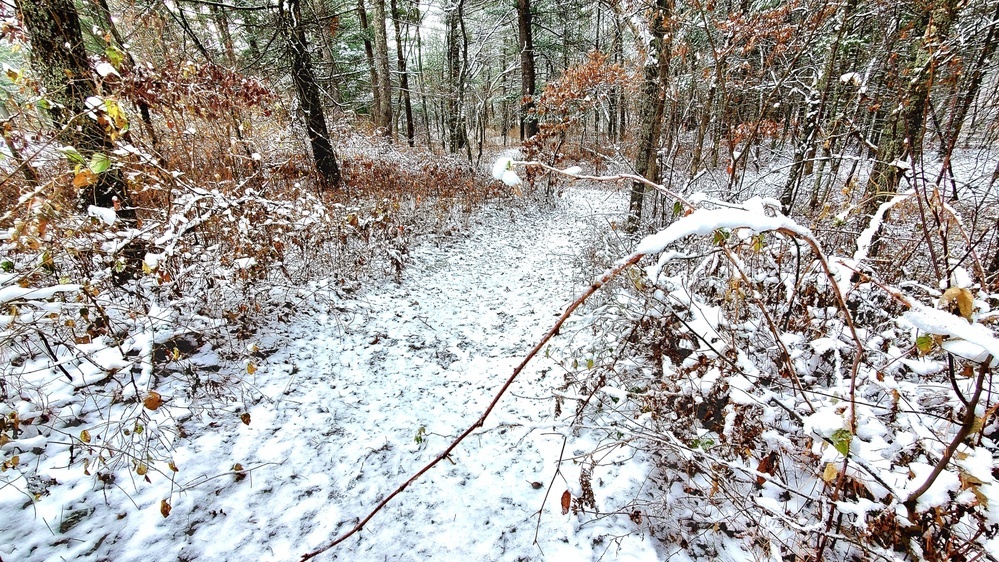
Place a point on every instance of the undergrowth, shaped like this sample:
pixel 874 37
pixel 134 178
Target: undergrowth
pixel 116 332
pixel 795 403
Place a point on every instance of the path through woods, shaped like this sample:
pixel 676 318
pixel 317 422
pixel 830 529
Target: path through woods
pixel 349 392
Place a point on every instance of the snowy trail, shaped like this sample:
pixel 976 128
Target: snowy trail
pixel 349 393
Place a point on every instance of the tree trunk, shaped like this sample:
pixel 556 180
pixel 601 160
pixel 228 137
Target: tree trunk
pixel 454 120
pixel 60 62
pixel 403 75
pixel 528 83
pixel 383 118
pixel 805 151
pixel 902 137
pixel 652 108
pixel 369 52
pixel 308 95
pixel 968 94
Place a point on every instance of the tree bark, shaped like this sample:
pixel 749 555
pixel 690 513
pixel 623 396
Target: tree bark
pixel 369 52
pixel 383 119
pixel 902 137
pixel 528 81
pixel 652 108
pixel 403 74
pixel 60 61
pixel 308 95
pixel 454 119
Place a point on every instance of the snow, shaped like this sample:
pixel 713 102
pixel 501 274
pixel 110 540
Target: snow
pixel 752 215
pixel 342 391
pixel 105 214
pixel 10 293
pixel 105 69
pixel 939 493
pixel 977 337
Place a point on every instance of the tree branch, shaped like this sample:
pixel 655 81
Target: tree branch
pixel 607 276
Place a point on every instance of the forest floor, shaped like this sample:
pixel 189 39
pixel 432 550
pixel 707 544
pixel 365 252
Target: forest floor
pixel 355 395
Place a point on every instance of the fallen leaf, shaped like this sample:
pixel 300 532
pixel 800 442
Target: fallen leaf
pixel 153 401
pixel 536 485
pixel 566 501
pixel 245 418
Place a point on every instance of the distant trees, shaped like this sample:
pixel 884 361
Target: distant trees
pixel 720 86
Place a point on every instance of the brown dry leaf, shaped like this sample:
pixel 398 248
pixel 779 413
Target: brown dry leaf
pixel 240 474
pixel 566 501
pixel 536 485
pixel 173 466
pixel 165 508
pixel 84 178
pixel 958 300
pixel 245 418
pixel 768 465
pixel 153 401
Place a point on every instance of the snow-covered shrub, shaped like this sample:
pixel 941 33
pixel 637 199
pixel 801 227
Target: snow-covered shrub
pixel 796 404
pixel 115 333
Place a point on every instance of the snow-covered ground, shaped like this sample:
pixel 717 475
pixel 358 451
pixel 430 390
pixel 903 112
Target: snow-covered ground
pixel 357 398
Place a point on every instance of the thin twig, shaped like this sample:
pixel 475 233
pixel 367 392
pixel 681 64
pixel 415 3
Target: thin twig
pixel 607 276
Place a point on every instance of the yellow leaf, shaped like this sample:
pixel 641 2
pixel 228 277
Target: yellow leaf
pixel 251 368
pixel 830 473
pixel 85 436
pixel 173 466
pixel 142 469
pixel 15 460
pixel 176 354
pixel 959 301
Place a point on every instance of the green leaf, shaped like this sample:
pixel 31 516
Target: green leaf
pixel 114 55
pixel 924 343
pixel 677 209
pixel 72 154
pixel 841 439
pixel 7 266
pixel 721 235
pixel 99 163
pixel 589 363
